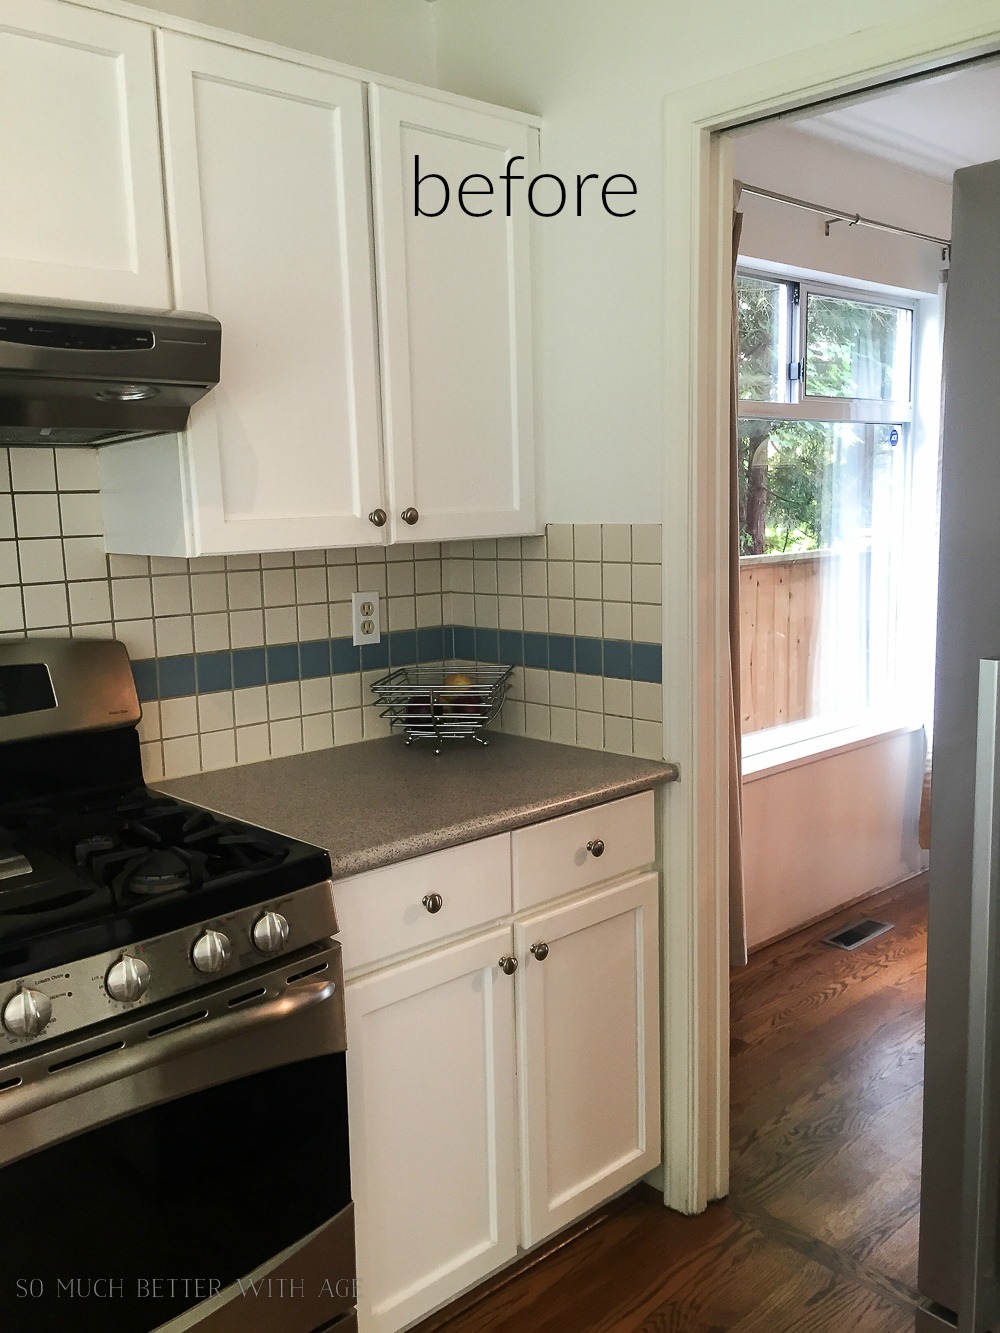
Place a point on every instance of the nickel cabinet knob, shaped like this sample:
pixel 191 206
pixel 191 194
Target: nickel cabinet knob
pixel 596 847
pixel 540 951
pixel 410 516
pixel 433 902
pixel 508 965
pixel 378 517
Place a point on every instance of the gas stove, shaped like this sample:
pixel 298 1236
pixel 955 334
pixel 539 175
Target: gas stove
pixel 169 991
pixel 112 894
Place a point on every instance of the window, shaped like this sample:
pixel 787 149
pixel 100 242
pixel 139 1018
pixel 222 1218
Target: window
pixel 826 405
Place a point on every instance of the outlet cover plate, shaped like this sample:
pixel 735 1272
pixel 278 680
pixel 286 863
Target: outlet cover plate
pixel 366 618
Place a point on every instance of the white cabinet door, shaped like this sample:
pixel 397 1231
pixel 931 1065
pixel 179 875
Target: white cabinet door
pixel 588 1052
pixel 81 203
pixel 268 201
pixel 455 322
pixel 430 1072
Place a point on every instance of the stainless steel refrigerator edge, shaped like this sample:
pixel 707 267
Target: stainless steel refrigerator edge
pixel 968 629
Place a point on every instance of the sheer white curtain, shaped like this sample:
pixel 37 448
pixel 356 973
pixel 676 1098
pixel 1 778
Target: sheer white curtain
pixel 851 550
pixel 879 567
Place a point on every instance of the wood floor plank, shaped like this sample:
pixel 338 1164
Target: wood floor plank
pixel 819 1233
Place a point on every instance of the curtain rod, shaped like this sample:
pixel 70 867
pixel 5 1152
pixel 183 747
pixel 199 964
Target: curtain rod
pixel 841 215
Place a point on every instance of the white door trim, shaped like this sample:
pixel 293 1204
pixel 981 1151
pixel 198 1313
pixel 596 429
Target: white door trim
pixel 697 176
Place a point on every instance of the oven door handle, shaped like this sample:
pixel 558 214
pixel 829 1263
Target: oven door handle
pixel 156 1038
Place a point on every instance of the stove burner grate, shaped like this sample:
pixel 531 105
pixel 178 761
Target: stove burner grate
pixel 93 845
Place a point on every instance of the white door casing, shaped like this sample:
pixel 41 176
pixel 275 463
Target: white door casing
pixel 266 176
pixel 430 1069
pixel 696 391
pixel 455 321
pixel 81 203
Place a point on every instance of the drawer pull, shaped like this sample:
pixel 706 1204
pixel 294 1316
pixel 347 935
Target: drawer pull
pixel 596 847
pixel 378 517
pixel 540 951
pixel 508 965
pixel 409 516
pixel 433 902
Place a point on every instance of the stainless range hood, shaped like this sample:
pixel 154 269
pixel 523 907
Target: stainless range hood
pixel 74 374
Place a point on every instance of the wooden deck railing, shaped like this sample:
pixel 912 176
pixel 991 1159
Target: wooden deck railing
pixel 779 629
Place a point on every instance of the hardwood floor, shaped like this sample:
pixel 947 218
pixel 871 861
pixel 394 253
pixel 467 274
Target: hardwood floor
pixel 819 1232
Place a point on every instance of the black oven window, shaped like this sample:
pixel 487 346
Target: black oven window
pixel 206 1187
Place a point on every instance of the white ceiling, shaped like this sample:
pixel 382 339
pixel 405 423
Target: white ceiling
pixel 933 126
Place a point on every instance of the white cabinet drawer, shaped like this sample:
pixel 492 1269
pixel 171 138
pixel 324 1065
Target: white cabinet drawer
pixel 382 912
pixel 574 851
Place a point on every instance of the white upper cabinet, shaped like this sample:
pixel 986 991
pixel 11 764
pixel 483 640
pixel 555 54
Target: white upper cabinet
pixel 81 204
pixel 142 166
pixel 455 320
pixel 265 168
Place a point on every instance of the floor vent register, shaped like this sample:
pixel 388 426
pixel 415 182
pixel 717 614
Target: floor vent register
pixel 850 937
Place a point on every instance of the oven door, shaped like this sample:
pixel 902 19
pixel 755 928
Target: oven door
pixel 186 1167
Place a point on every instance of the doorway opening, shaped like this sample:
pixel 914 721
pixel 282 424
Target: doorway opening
pixel 697 367
pixel 837 459
pixel 839 374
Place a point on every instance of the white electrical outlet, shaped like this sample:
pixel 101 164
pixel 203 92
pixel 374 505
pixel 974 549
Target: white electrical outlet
pixel 365 618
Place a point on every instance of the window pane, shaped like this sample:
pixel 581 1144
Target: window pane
pixel 820 507
pixel 762 309
pixel 855 349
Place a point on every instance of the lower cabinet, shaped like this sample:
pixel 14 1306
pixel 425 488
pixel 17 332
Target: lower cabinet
pixel 588 1052
pixel 433 1139
pixel 500 1087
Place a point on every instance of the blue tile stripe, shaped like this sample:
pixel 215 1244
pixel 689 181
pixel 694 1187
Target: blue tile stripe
pixel 241 668
pixel 620 658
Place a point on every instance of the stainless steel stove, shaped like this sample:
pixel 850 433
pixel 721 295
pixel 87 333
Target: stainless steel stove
pixel 172 1048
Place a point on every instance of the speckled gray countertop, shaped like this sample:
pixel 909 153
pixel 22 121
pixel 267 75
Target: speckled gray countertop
pixel 378 802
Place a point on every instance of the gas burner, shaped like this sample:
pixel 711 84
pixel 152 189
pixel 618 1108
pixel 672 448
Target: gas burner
pixel 160 870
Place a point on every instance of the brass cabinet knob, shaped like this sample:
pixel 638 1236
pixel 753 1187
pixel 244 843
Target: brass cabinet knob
pixel 540 951
pixel 595 847
pixel 378 517
pixel 433 902
pixel 508 965
pixel 409 516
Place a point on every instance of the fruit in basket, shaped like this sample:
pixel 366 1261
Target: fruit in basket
pixel 459 698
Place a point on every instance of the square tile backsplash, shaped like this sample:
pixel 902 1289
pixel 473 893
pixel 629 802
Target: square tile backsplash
pixel 240 658
pixel 578 611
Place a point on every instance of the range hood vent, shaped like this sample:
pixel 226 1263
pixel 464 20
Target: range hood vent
pixel 73 374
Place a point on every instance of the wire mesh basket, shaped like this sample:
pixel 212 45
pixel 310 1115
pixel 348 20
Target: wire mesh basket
pixel 442 702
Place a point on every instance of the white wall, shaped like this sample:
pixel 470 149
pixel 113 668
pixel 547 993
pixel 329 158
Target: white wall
pixel 388 36
pixel 828 831
pixel 793 161
pixel 598 73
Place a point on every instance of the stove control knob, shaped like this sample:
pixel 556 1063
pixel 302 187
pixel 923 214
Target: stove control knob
pixel 27 1014
pixel 211 951
pixel 128 979
pixel 270 933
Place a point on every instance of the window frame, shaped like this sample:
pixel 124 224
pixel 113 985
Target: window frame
pixel 827 727
pixel 801 407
